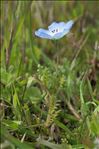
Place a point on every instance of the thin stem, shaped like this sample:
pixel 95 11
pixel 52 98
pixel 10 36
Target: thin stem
pixel 19 67
pixel 24 91
pixel 56 45
pixel 77 53
pixel 71 108
pixel 8 50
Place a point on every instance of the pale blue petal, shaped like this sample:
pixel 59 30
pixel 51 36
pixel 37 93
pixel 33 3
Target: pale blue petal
pixel 69 24
pixel 43 33
pixel 61 26
pixel 53 26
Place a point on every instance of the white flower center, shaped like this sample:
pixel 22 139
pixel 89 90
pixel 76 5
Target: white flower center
pixel 55 31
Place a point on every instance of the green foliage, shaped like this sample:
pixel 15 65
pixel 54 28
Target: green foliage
pixel 49 95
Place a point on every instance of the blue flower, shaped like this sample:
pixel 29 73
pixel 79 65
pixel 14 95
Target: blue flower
pixel 55 30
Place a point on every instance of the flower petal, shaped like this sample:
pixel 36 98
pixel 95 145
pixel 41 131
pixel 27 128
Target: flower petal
pixel 60 26
pixel 43 33
pixel 53 26
pixel 69 24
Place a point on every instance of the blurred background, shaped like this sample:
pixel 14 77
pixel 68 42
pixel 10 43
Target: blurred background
pixel 20 19
pixel 28 75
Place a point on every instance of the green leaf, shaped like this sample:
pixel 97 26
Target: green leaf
pixel 14 141
pixel 13 125
pixel 33 94
pixel 30 81
pixel 16 106
pixel 94 124
pixel 52 145
pixel 19 28
pixel 64 127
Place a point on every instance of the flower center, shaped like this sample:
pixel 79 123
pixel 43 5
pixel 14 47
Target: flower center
pixel 55 31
